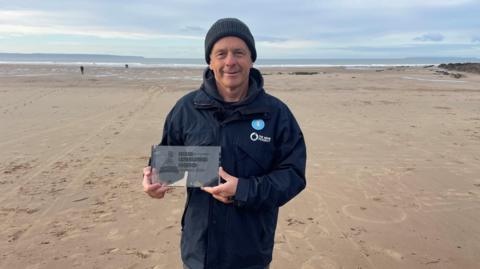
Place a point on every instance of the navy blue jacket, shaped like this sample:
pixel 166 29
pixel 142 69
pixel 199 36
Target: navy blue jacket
pixel 261 144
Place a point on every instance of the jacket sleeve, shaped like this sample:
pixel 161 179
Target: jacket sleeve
pixel 286 179
pixel 171 136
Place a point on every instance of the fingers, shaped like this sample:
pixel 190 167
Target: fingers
pixel 223 199
pixel 224 174
pixel 157 190
pixel 213 190
pixel 146 182
pixel 147 171
pixel 153 191
pixel 225 191
pixel 218 190
pixel 160 192
pixel 218 193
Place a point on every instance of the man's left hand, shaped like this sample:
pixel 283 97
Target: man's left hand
pixel 224 192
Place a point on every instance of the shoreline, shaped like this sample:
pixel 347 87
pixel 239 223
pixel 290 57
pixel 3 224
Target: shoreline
pixel 201 66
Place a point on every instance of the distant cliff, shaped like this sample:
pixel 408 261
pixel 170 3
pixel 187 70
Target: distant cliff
pixel 462 67
pixel 54 57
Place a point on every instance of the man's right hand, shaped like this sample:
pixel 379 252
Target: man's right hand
pixel 155 190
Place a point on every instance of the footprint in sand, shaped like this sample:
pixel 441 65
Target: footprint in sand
pixel 371 249
pixel 34 266
pixel 176 211
pixel 374 214
pixel 285 255
pixel 317 230
pixel 294 234
pixel 320 262
pixel 114 235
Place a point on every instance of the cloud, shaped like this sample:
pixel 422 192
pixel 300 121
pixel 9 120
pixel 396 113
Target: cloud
pixel 272 39
pixel 304 27
pixel 196 29
pixel 32 22
pixel 36 22
pixel 430 37
pixel 367 4
pixel 16 30
pixel 288 44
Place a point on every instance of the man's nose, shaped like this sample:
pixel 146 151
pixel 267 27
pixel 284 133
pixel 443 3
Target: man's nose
pixel 231 59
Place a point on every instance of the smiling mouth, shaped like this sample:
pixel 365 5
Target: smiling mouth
pixel 230 71
pixel 230 74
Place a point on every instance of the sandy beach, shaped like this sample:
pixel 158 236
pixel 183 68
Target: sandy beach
pixel 393 172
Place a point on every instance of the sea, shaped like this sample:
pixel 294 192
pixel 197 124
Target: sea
pixel 137 61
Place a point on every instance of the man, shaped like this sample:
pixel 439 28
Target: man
pixel 263 156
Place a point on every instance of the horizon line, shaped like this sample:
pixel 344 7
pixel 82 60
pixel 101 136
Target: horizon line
pixel 285 58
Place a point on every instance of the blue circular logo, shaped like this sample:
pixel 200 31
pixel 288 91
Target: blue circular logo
pixel 258 124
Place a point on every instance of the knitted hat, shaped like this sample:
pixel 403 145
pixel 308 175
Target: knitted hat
pixel 229 27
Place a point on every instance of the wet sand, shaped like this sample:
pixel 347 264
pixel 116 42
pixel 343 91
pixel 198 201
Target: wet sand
pixel 393 168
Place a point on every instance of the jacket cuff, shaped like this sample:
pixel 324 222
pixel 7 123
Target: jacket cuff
pixel 241 195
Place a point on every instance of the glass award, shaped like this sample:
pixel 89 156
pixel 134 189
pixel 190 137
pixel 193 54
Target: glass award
pixel 190 166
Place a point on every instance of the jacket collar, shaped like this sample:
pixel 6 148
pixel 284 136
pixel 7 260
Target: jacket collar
pixel 208 96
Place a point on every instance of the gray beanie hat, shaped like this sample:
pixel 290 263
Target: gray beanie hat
pixel 229 27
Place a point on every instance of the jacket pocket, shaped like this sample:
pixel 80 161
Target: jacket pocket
pixel 249 238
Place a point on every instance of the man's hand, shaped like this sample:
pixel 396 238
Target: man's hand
pixel 155 190
pixel 225 191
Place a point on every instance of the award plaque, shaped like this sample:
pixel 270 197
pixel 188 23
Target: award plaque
pixel 190 166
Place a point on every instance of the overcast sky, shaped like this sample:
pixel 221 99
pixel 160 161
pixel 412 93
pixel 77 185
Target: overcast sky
pixel 282 29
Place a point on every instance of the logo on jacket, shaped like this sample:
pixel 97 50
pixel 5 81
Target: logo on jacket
pixel 256 137
pixel 258 124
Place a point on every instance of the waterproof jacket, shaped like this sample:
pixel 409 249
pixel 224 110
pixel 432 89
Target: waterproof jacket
pixel 261 144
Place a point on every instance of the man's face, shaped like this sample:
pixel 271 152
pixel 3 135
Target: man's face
pixel 230 61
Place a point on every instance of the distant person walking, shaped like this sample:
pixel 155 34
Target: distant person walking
pixel 82 70
pixel 126 66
